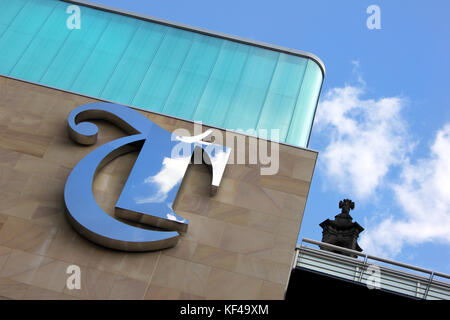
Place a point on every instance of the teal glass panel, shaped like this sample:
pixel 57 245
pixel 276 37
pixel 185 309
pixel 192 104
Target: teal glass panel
pixel 105 56
pixel 33 64
pixel 163 71
pixel 252 89
pixel 131 70
pixel 222 84
pixel 303 115
pixel 282 96
pixel 21 32
pixel 193 76
pixel 160 68
pixel 8 12
pixel 69 61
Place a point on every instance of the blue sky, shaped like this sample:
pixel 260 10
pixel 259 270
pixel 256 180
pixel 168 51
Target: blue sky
pixel 383 124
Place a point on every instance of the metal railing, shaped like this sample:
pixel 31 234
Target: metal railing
pixel 362 271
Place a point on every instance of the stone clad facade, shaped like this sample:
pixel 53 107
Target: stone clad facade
pixel 239 244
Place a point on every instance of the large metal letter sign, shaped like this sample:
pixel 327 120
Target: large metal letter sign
pixel 151 188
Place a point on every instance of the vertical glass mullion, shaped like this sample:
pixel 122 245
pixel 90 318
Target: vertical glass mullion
pixel 251 92
pixel 134 64
pixel 282 95
pixel 72 56
pixel 160 77
pixel 105 56
pixel 22 31
pixel 222 84
pixel 44 46
pixel 303 114
pixel 8 12
pixel 192 78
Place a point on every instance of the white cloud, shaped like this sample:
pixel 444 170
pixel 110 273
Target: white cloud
pixel 367 137
pixel 424 195
pixel 165 180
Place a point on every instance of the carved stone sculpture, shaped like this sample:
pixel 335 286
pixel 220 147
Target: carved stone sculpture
pixel 342 231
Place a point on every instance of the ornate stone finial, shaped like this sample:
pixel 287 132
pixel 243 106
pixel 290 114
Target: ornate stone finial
pixel 346 205
pixel 342 231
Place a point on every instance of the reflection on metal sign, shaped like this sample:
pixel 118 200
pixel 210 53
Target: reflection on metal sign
pixel 151 187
